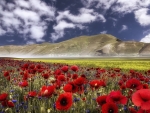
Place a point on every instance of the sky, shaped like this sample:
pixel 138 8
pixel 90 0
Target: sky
pixel 37 21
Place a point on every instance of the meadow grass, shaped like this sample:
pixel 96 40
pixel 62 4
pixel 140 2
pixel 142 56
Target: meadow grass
pixel 140 64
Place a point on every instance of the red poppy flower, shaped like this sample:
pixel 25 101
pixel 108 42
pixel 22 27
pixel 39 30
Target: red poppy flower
pixel 132 71
pixel 116 97
pixel 6 73
pixel 74 87
pixel 26 65
pixel 68 88
pixel 145 86
pixel 79 81
pixel 38 66
pixel 74 76
pixel 101 100
pixel 64 101
pixel 142 98
pixel 10 104
pixel 25 76
pixel 57 72
pixel 47 91
pixel 95 84
pixel 102 83
pixel 143 111
pixel 7 103
pixel 23 84
pixel 133 84
pixel 45 75
pixel 117 69
pixel 32 66
pixel 109 108
pixel 64 68
pixel 120 82
pixel 123 86
pixel 61 78
pixel 32 94
pixel 3 96
pixel 74 68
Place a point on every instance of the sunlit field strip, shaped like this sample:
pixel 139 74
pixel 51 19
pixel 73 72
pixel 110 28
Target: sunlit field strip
pixel 125 64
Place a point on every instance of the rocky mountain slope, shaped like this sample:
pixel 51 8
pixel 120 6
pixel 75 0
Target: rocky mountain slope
pixel 97 45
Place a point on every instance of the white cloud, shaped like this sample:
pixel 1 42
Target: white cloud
pixel 146 39
pixel 59 29
pixel 63 24
pixel 85 16
pixel 80 26
pixel 103 32
pixel 37 32
pixel 24 16
pixel 105 4
pixel 121 6
pixel 27 15
pixel 23 3
pixel 142 16
pixel 2 31
pixel 58 34
pixel 124 27
pixel 42 8
pixel 146 32
pixel 124 6
pixel 10 40
pixel 11 6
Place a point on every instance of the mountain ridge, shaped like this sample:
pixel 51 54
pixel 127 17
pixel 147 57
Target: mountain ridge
pixel 96 45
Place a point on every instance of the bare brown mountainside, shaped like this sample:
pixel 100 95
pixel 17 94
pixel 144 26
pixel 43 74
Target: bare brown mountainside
pixel 97 45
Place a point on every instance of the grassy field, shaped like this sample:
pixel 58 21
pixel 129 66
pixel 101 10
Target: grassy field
pixel 139 64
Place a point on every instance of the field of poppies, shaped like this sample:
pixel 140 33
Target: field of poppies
pixel 39 87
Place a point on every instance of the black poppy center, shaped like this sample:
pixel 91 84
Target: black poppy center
pixel 144 98
pixel 134 86
pixel 111 111
pixel 116 99
pixel 63 102
pixel 73 87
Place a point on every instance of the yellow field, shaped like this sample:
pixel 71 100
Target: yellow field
pixel 125 64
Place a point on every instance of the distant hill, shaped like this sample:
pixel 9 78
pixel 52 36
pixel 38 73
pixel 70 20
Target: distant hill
pixel 97 45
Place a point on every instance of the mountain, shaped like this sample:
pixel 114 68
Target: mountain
pixel 97 45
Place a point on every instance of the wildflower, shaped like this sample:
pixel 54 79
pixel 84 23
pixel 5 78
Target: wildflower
pixel 45 75
pixel 47 91
pixel 64 101
pixel 116 97
pixel 133 84
pixel 79 81
pixel 3 96
pixel 64 68
pixel 61 78
pixel 32 94
pixel 95 84
pixel 101 100
pixel 67 88
pixel 141 98
pixel 109 108
pixel 23 84
pixel 74 68
pixel 6 74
